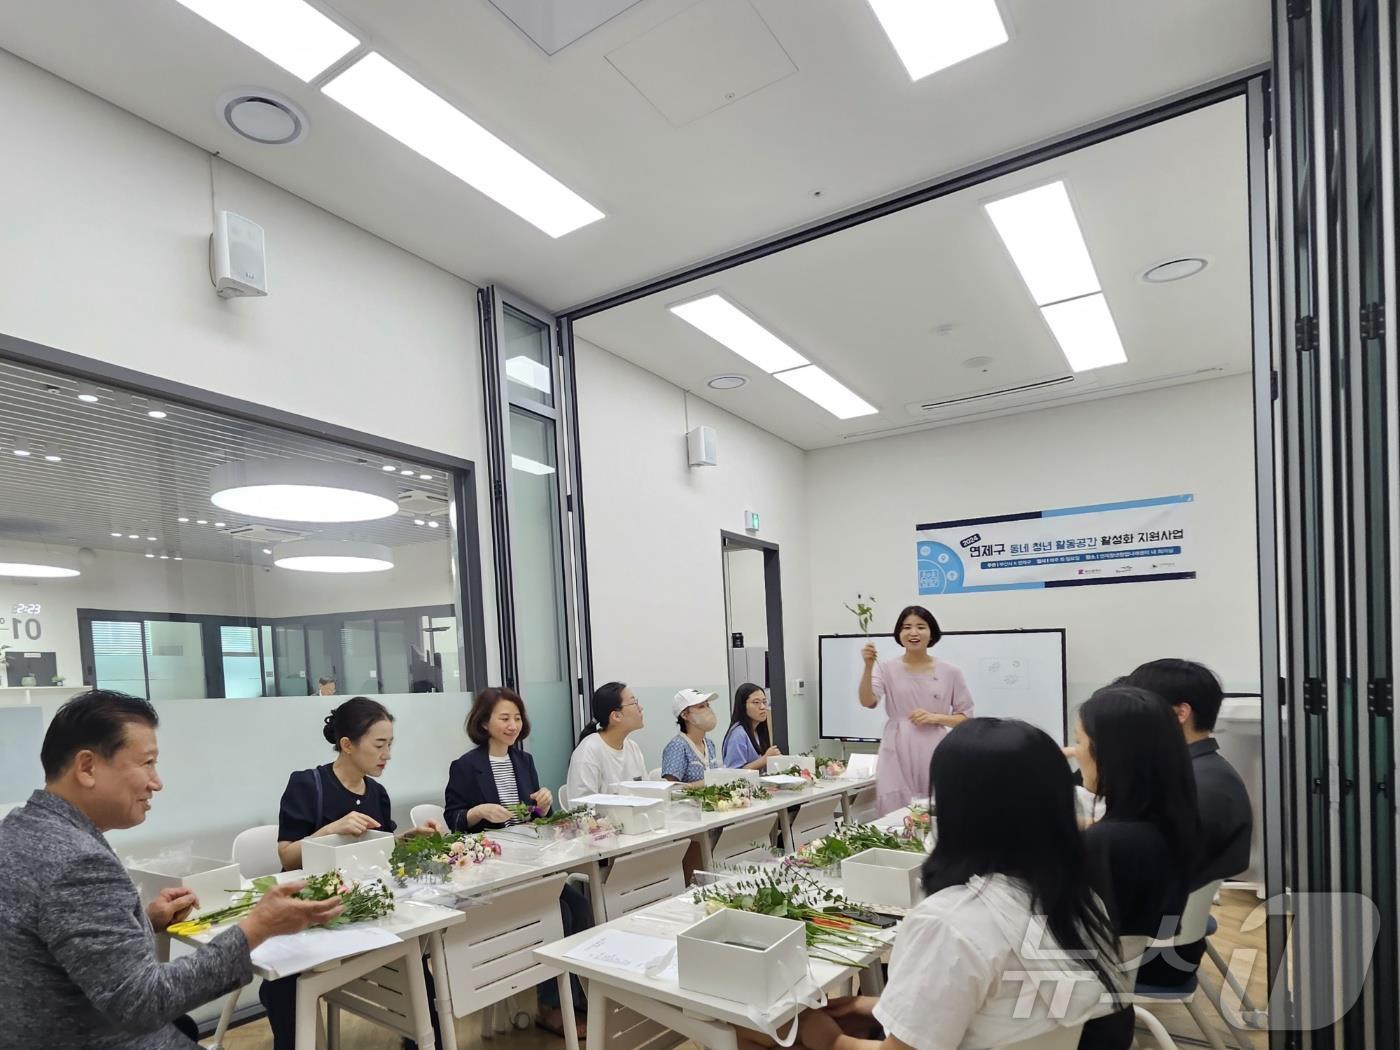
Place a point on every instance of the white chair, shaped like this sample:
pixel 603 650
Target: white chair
pixel 255 853
pixel 812 821
pixel 426 811
pixel 654 774
pixel 746 840
pixel 561 797
pixel 490 956
pixel 635 880
pixel 1195 924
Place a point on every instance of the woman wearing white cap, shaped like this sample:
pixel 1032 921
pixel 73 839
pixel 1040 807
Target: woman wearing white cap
pixel 690 751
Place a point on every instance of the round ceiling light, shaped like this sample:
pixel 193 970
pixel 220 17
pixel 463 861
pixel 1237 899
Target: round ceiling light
pixel 263 117
pixel 1174 270
pixel 300 490
pixel 332 556
pixel 44 565
pixel 726 382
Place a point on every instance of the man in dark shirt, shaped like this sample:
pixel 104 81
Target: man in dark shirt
pixel 1227 822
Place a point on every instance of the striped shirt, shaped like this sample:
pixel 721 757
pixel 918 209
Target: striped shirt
pixel 504 774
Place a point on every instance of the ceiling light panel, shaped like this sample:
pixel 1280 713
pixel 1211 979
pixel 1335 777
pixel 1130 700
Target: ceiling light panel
pixel 332 556
pixel 302 490
pixel 401 107
pixel 816 385
pixel 929 35
pixel 726 324
pixel 1086 333
pixel 1042 234
pixel 291 33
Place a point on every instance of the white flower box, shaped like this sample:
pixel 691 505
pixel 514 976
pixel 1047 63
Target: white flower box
pixel 784 782
pixel 781 763
pixel 214 882
pixel 628 813
pixel 346 852
pixel 742 956
pixel 883 876
pixel 726 776
pixel 660 789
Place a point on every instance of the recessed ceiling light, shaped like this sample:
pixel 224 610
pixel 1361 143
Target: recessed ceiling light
pixel 87 393
pixel 53 457
pixel 1174 270
pixel 425 477
pixel 528 465
pixel 302 490
pixel 725 323
pixel 432 524
pixel 48 565
pixel 930 35
pixel 395 103
pixel 22 453
pixel 418 521
pixel 528 372
pixel 1086 333
pixel 116 535
pixel 388 467
pixel 201 521
pixel 156 410
pixel 295 35
pixel 177 558
pixel 267 550
pixel 218 524
pixel 263 117
pixel 165 557
pixel 150 555
pixel 1040 231
pixel 730 382
pixel 406 473
pixel 183 521
pixel 150 539
pixel 332 556
pixel 816 385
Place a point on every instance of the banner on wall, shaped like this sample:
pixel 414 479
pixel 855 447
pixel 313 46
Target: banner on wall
pixel 1136 541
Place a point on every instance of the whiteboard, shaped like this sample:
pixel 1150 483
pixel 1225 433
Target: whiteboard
pixel 1011 674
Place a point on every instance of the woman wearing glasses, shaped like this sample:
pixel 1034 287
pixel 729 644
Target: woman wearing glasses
pixel 605 755
pixel 748 744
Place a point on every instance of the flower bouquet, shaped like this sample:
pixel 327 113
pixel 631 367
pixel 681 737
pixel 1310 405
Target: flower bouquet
pixel 796 771
pixel 435 857
pixel 848 840
pixel 918 822
pixel 720 798
pixel 788 894
pixel 581 822
pixel 360 901
pixel 831 769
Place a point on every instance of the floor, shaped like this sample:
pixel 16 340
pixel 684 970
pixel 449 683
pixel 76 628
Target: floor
pixel 1234 908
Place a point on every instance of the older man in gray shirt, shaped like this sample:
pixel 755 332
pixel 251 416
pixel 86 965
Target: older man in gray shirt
pixel 79 951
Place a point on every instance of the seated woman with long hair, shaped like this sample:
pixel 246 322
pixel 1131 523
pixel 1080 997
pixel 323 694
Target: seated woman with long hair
pixel 1142 852
pixel 1010 943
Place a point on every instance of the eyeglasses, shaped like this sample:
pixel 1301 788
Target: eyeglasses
pixel 760 703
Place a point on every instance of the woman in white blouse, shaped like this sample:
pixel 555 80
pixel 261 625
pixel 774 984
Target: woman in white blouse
pixel 605 755
pixel 1011 942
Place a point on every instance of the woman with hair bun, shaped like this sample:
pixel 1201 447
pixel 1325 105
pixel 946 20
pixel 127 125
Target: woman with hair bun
pixel 604 756
pixel 338 798
pixel 924 698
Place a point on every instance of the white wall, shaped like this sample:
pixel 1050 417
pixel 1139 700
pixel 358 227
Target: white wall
pixel 863 501
pixel 656 583
pixel 106 229
pixel 107 222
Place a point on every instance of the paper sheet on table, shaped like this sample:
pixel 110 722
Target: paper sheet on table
pixel 634 801
pixel 631 952
pixel 295 952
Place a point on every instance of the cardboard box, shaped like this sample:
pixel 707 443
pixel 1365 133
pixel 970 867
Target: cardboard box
pixel 883 876
pixel 346 852
pixel 742 956
pixel 725 776
pixel 214 882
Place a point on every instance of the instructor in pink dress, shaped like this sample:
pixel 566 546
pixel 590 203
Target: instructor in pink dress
pixel 924 698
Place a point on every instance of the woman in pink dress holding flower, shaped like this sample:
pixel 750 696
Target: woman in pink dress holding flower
pixel 924 698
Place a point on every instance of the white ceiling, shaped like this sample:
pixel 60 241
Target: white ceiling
pixel 124 472
pixel 873 304
pixel 847 122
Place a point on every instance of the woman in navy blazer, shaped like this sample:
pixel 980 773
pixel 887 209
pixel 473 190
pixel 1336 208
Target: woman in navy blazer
pixel 498 773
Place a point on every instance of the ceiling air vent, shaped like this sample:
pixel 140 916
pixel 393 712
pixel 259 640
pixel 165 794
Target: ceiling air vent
pixel 932 406
pixel 416 501
pixel 263 534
